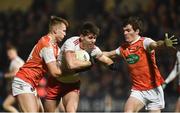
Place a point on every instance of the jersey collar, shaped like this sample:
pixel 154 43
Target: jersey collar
pixel 137 38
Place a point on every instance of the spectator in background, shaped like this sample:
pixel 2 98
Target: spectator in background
pixel 139 53
pixel 42 60
pixel 174 73
pixel 15 63
pixel 108 103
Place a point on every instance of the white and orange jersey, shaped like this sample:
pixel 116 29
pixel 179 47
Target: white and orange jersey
pixel 73 44
pixel 45 51
pixel 144 72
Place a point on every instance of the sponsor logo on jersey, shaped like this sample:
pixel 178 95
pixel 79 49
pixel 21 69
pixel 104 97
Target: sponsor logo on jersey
pixel 132 58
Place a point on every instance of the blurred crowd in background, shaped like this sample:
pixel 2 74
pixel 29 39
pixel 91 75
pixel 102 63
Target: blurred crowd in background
pixel 101 88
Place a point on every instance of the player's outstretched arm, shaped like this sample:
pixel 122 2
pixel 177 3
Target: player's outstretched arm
pixel 105 60
pixel 11 73
pixel 110 54
pixel 167 42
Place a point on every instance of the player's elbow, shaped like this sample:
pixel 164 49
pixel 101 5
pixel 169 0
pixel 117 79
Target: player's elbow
pixel 55 75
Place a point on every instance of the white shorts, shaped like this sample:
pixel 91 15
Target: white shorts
pixel 152 99
pixel 20 87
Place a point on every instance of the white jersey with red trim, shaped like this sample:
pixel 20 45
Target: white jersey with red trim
pixel 73 44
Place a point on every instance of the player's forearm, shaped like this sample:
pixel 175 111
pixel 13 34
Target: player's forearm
pixel 160 43
pixel 10 74
pixel 157 44
pixel 54 69
pixel 106 60
pixel 110 54
pixel 56 72
pixel 78 65
pixel 106 53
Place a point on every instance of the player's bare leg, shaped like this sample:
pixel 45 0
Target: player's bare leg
pixel 28 102
pixel 60 107
pixel 50 105
pixel 70 101
pixel 8 104
pixel 41 108
pixel 155 111
pixel 133 105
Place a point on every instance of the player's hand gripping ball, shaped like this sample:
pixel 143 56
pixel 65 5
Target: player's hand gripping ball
pixel 82 55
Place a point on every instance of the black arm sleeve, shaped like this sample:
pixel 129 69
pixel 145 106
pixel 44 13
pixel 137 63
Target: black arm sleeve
pixel 115 66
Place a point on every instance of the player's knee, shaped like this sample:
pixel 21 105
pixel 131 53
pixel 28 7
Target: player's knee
pixel 29 108
pixel 5 105
pixel 128 109
pixel 71 108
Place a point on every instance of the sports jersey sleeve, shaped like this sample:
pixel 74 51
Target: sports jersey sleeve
pixel 69 45
pixel 96 52
pixel 15 65
pixel 147 42
pixel 117 51
pixel 47 53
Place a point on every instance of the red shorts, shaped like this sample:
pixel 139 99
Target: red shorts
pixel 56 89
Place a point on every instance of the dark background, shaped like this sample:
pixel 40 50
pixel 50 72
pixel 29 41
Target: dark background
pixel 22 23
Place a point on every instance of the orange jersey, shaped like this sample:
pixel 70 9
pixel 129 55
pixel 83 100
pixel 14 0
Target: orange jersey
pixel 35 67
pixel 142 66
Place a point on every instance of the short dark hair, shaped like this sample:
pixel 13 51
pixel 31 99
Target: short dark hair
pixel 136 23
pixel 89 27
pixel 11 47
pixel 54 20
